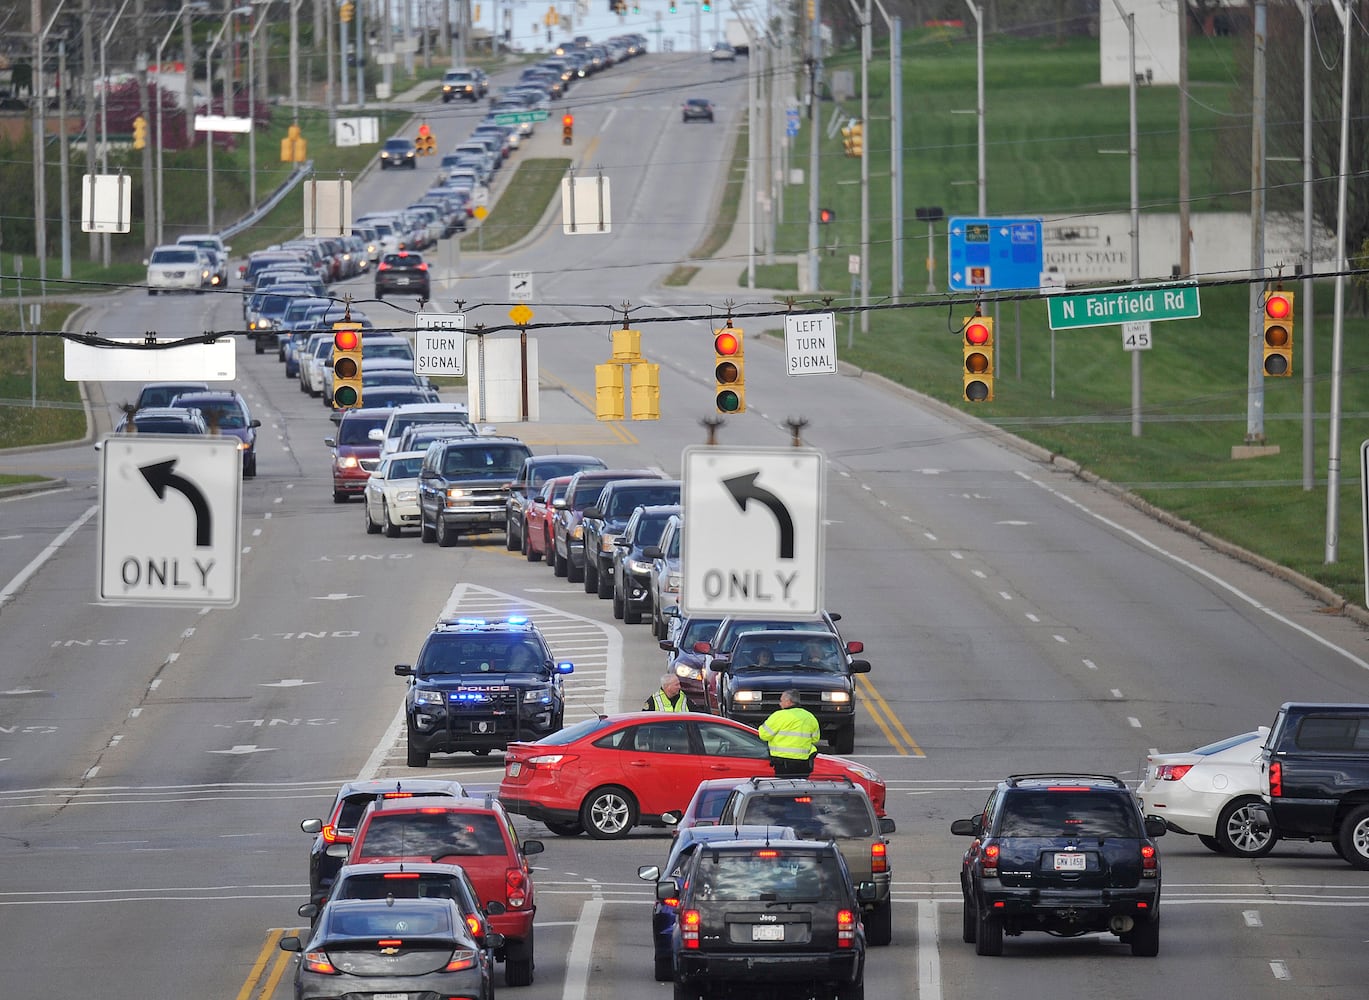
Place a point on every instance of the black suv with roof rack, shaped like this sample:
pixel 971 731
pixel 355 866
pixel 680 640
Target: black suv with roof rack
pixel 1068 854
pixel 480 685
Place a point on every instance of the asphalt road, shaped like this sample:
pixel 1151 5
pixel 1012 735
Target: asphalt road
pixel 155 763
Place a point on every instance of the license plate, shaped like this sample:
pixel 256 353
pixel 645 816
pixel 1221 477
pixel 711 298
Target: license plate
pixel 401 280
pixel 389 996
pixel 482 727
pixel 515 769
pixel 1071 862
pixel 767 932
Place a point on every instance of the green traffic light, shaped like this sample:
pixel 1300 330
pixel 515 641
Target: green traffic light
pixel 728 401
pixel 345 395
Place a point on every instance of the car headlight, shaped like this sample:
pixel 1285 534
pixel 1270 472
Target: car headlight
pixel 607 543
pixel 537 695
pixel 244 445
pixel 455 493
pixel 406 496
pixel 747 697
pixel 348 462
pixel 672 583
pixel 429 698
pixel 837 697
pixel 637 566
pixel 576 532
pixel 686 671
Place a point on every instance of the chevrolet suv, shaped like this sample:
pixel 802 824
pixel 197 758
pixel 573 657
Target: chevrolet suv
pixel 476 834
pixel 463 486
pixel 603 522
pixel 833 809
pixel 567 554
pixel 760 912
pixel 1068 854
pixel 480 685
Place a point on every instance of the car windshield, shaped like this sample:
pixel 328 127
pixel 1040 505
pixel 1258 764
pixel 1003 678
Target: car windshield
pixel 624 502
pixel 649 530
pixel 432 835
pixel 406 468
pixel 395 145
pixel 371 352
pixel 767 876
pixel 187 256
pixel 1054 813
pixel 378 885
pixel 811 813
pixel 162 395
pixel 225 412
pixel 485 461
pixel 357 430
pixel 445 655
pixel 699 630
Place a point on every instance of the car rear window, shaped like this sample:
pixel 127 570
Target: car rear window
pixel 408 885
pixel 432 834
pixel 162 425
pixel 174 257
pixel 1332 733
pixel 484 461
pixel 821 814
pixel 1052 813
pixel 766 875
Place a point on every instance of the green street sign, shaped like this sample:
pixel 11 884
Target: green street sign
pixel 1113 307
pixel 519 117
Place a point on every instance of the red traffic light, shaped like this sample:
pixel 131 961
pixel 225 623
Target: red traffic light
pixel 424 131
pixel 977 334
pixel 826 215
pixel 567 121
pixel 1278 306
pixel 726 343
pixel 346 340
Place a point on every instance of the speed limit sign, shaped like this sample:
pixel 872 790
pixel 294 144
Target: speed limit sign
pixel 1136 336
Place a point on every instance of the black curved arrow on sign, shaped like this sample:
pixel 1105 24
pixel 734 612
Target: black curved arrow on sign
pixel 160 476
pixel 744 488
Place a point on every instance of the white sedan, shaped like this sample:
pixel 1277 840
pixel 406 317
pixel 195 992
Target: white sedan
pixel 391 495
pixel 1210 792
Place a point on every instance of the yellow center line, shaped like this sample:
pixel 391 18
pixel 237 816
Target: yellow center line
pixel 879 710
pixel 271 944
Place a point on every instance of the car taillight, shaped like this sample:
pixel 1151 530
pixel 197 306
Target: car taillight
pixel 689 929
pixel 515 888
pixel 1172 772
pixel 317 961
pixel 879 858
pixel 673 901
pixel 1149 863
pixel 1275 779
pixel 332 835
pixel 423 266
pixel 550 760
pixel 462 958
pixel 988 861
pixel 474 925
pixel 382 266
pixel 846 928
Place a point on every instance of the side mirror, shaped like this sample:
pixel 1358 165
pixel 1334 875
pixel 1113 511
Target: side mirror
pixel 673 611
pixel 337 851
pixel 720 666
pixel 308 911
pixel 593 512
pixel 966 827
pixel 330 442
pixel 291 943
pixel 376 434
pixel 667 890
pixel 866 892
pixel 653 552
pixel 834 616
pixel 255 423
pixel 672 818
pixel 494 908
pixel 860 666
pixel 493 939
pixel 667 645
pixel 1155 827
pixel 886 825
pixel 311 825
pixel 533 847
pixel 649 873
pixel 404 670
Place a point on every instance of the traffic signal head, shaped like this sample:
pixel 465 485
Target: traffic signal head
pixel 857 138
pixel 729 373
pixel 672 6
pixel 426 142
pixel 139 132
pixel 977 348
pixel 567 129
pixel 826 215
pixel 706 6
pixel 346 365
pixel 1278 334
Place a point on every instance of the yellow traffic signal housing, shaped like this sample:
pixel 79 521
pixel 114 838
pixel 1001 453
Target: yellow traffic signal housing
pixel 140 132
pixel 977 347
pixel 347 11
pixel 567 129
pixel 426 142
pixel 846 139
pixel 1278 334
pixel 729 370
pixel 627 345
pixel 857 147
pixel 294 148
pixel 646 391
pixel 608 391
pixel 346 365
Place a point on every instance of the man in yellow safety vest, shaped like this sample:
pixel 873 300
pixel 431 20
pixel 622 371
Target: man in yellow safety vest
pixel 792 733
pixel 668 697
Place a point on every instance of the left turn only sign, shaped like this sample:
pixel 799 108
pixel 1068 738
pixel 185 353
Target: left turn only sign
pixel 170 520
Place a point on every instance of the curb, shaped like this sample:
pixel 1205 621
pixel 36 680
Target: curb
pixel 24 489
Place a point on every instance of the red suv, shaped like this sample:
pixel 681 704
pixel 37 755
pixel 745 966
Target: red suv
pixel 474 833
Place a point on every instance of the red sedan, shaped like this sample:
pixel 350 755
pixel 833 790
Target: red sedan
pixel 603 776
pixel 537 518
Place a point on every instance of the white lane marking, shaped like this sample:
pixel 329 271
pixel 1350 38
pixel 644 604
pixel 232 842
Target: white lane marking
pixel 1005 595
pixel 956 555
pixel 980 573
pixel 581 955
pixel 928 953
pixel 1090 664
pixel 1133 722
pixel 1031 617
pixel 1280 969
pixel 1061 639
pixel 1252 918
pixel 14 586
pixel 1117 692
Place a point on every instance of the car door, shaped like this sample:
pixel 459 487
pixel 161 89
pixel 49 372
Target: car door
pixel 659 765
pixel 728 751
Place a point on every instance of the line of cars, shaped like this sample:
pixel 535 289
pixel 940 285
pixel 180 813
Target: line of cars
pixel 193 408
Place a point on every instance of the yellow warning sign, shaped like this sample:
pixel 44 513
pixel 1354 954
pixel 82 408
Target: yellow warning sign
pixel 521 314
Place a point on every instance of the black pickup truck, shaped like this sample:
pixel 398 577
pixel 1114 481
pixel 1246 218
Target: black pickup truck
pixel 1316 776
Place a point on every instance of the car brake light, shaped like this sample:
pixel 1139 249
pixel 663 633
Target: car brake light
pixel 689 929
pixel 767 854
pixel 879 857
pixel 988 861
pixel 846 928
pixel 317 961
pixel 400 875
pixel 550 760
pixel 1275 779
pixel 672 901
pixel 423 266
pixel 1149 863
pixel 474 926
pixel 1172 772
pixel 382 266
pixel 398 795
pixel 1069 788
pixel 516 888
pixel 462 958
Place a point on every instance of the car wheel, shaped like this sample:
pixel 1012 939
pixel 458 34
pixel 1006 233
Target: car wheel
pixel 631 615
pixel 1145 938
pixel 665 969
pixel 415 757
pixel 564 829
pixel 618 603
pixel 967 919
pixel 249 466
pixel 855 991
pixel 1241 830
pixel 657 622
pixel 371 527
pixel 339 496
pixel 605 588
pixel 446 537
pixel 879 924
pixel 590 579
pixel 1353 837
pixel 845 741
pixel 574 573
pixel 257 343
pixel 392 530
pixel 988 937
pixel 1211 843
pixel 608 813
pixel 510 539
pixel 518 963
pixel 425 533
pixel 560 565
pixel 529 553
pixel 379 293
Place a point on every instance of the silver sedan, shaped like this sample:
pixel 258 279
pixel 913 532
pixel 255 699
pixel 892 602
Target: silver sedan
pixel 391 495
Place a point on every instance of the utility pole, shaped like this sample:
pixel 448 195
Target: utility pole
pixel 1254 417
pixel 814 126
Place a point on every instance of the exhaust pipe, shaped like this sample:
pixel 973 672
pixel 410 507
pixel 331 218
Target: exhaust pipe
pixel 1120 925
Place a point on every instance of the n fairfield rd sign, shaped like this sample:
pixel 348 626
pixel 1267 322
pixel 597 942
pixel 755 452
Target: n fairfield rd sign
pixel 1115 306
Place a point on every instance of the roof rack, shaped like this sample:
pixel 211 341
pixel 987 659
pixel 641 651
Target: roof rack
pixel 1060 777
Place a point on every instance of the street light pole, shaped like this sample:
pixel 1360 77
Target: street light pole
pixel 161 95
pixel 40 236
pixel 252 103
pixel 104 115
pixel 209 134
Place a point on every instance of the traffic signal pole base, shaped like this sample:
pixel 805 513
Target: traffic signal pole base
pixel 1240 451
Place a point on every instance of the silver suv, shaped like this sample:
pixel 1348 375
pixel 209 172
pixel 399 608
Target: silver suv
pixel 465 84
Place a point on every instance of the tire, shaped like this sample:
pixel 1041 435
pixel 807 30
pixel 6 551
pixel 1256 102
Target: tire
pixel 1211 843
pixel 688 991
pixel 560 566
pixel 574 573
pixel 845 742
pixel 339 496
pixel 510 539
pixel 392 530
pixel 879 924
pixel 590 579
pixel 618 604
pixel 1240 834
pixel 631 615
pixel 856 991
pixel 371 527
pixel 257 342
pixel 379 294
pixel 249 467
pixel 415 757
pixel 968 922
pixel 518 967
pixel 608 813
pixel 528 552
pixel 605 588
pixel 1353 837
pixel 1145 938
pixel 446 537
pixel 425 533
pixel 665 969
pixel 564 829
pixel 988 937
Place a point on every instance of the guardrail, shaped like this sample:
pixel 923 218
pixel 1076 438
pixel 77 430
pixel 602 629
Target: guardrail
pixel 256 215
